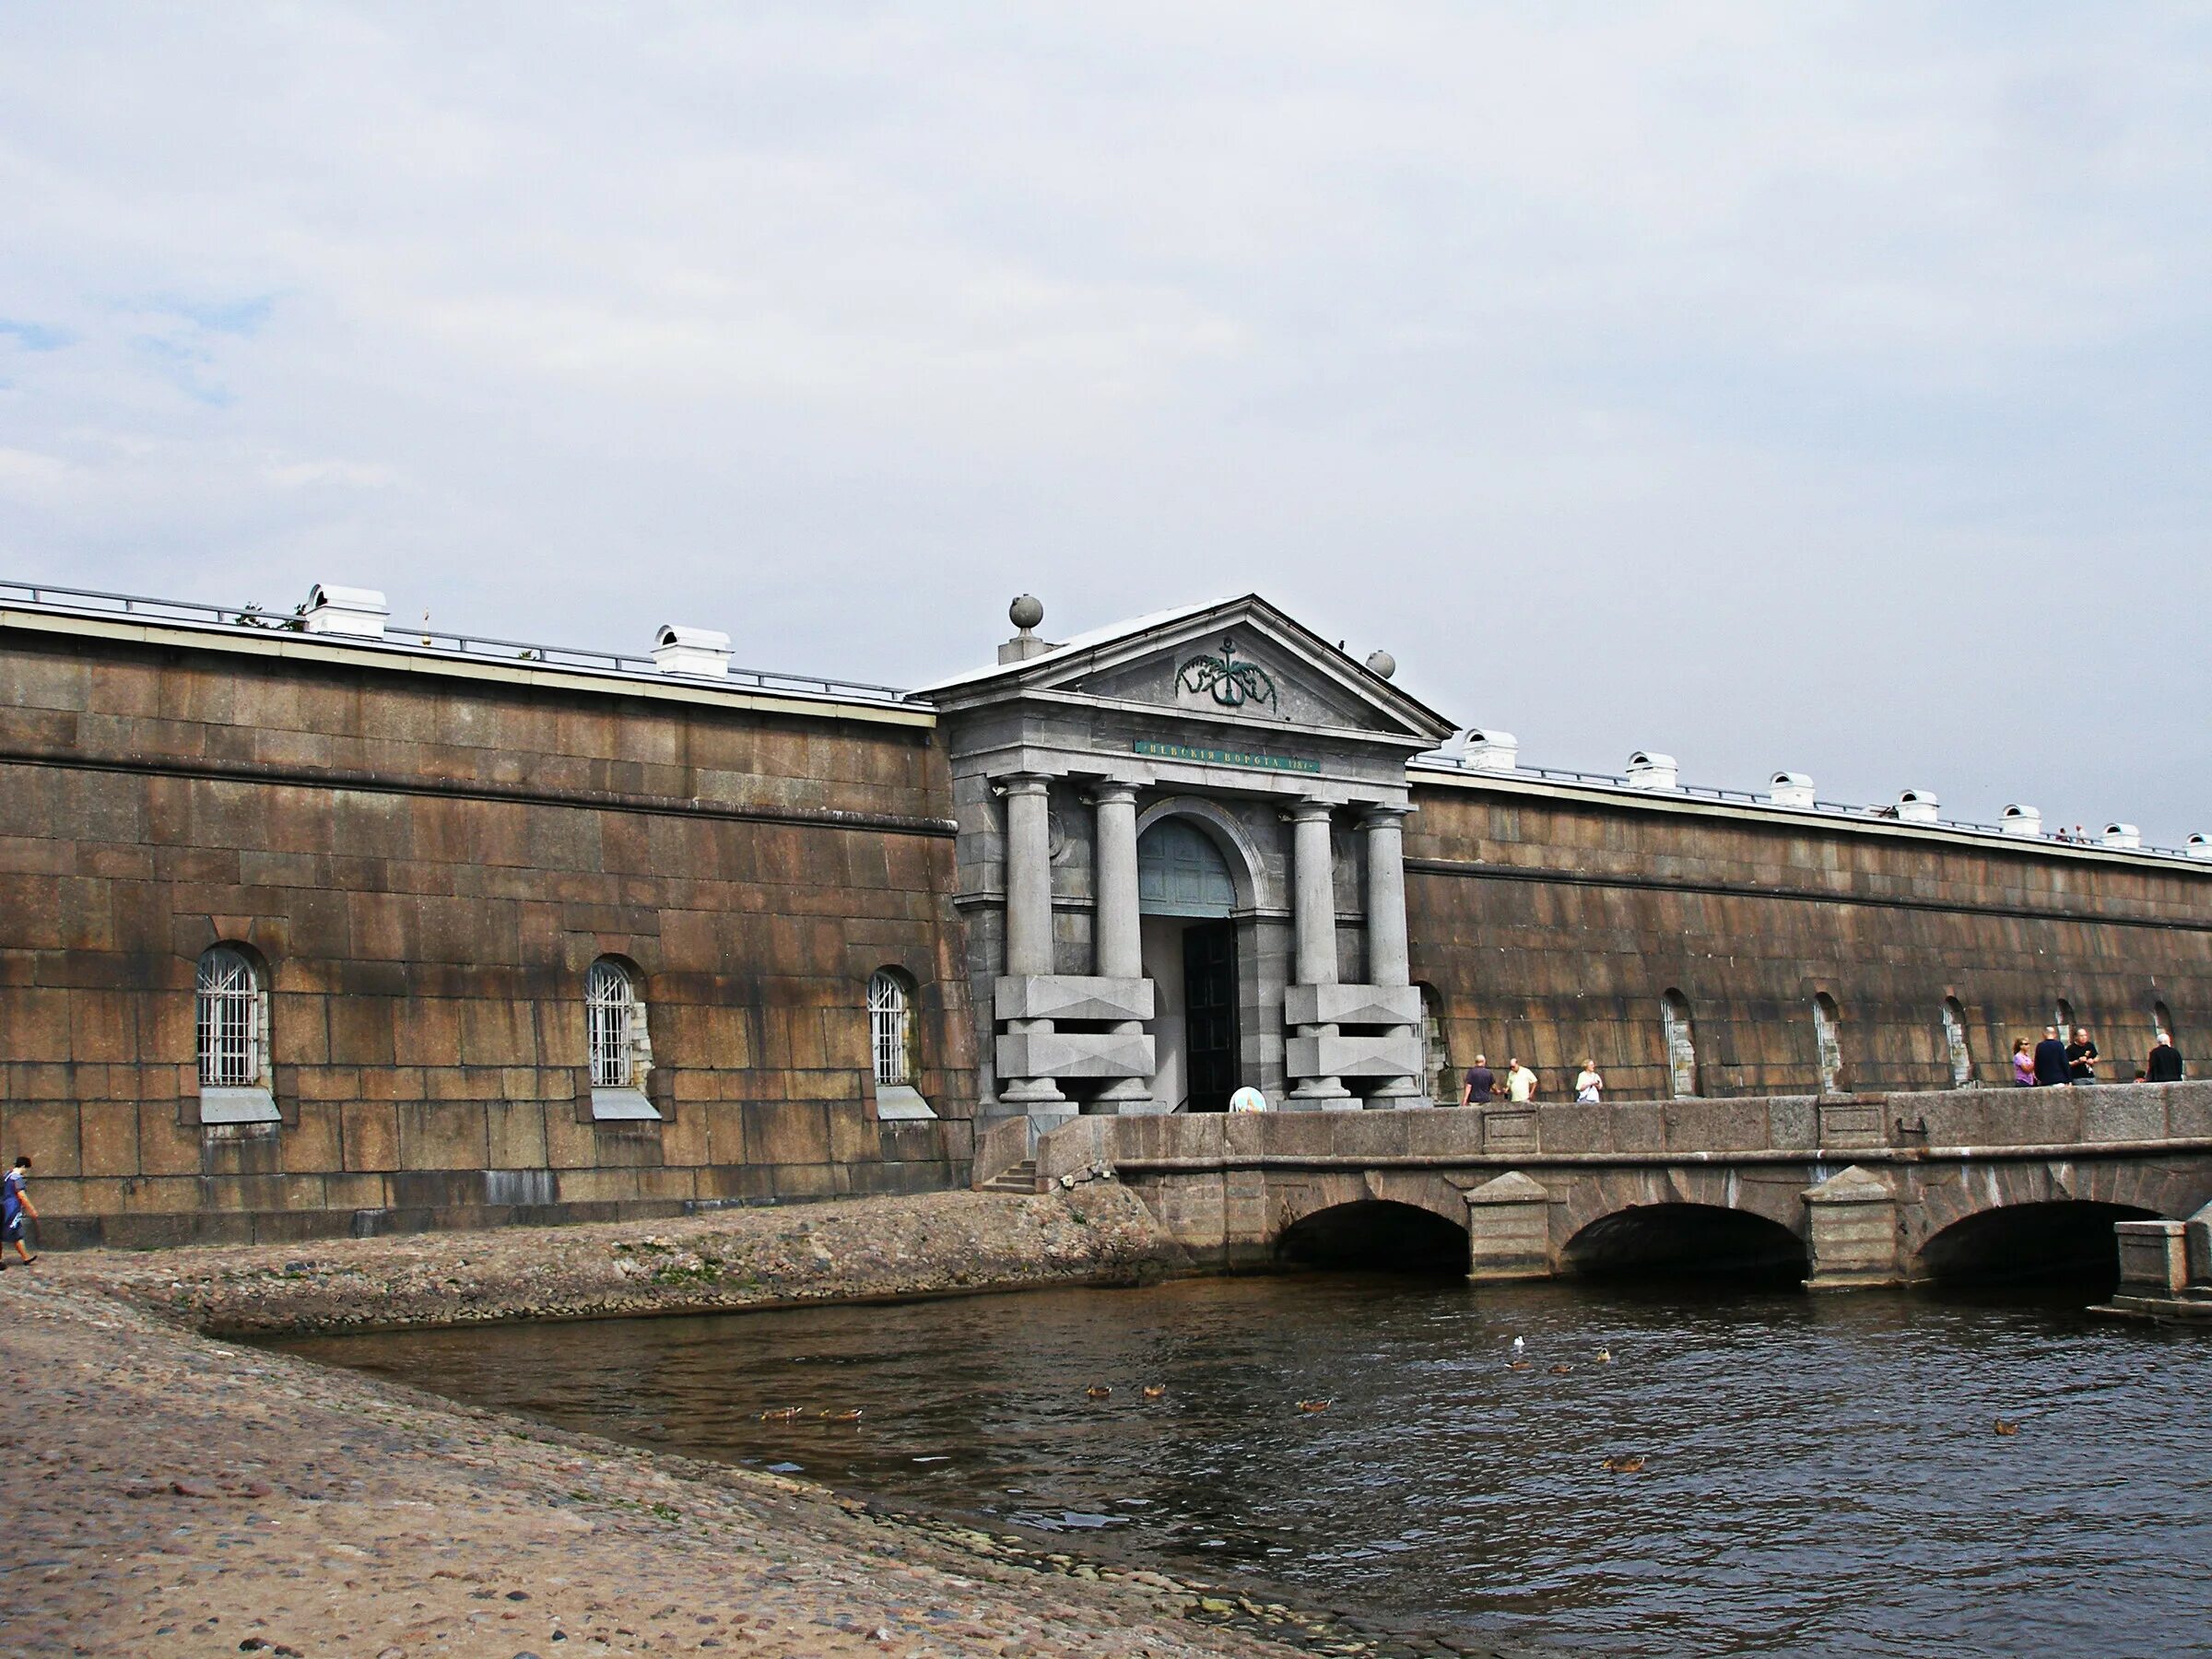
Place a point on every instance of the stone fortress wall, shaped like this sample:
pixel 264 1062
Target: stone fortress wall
pixel 423 858
pixel 423 853
pixel 1552 921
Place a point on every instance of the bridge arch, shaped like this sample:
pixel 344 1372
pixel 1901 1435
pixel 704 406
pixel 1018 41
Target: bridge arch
pixel 1679 1239
pixel 2019 1243
pixel 1376 1232
pixel 2025 1220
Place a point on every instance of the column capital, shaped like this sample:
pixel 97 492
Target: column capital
pixel 1109 791
pixel 1374 813
pixel 1022 783
pixel 1305 811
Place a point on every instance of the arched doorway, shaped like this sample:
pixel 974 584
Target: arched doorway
pixel 1186 896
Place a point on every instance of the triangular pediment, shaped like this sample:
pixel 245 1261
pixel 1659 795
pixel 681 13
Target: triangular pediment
pixel 1241 659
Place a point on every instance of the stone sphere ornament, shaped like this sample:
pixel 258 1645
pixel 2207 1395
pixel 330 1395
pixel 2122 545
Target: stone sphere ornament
pixel 1382 663
pixel 1026 612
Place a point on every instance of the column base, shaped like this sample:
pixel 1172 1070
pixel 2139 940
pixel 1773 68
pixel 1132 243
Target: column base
pixel 1124 1097
pixel 1028 1093
pixel 1320 1094
pixel 1396 1094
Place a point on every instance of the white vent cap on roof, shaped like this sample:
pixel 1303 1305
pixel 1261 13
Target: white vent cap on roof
pixel 700 651
pixel 2123 835
pixel 1918 807
pixel 1649 770
pixel 1492 751
pixel 2198 845
pixel 360 613
pixel 2022 821
pixel 1789 789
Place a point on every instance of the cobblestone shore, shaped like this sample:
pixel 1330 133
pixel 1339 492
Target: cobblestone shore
pixel 878 1248
pixel 171 1494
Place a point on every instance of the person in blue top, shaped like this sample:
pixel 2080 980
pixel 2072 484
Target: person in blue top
pixel 14 1209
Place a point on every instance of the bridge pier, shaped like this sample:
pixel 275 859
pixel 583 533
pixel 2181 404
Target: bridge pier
pixel 1509 1230
pixel 1851 1232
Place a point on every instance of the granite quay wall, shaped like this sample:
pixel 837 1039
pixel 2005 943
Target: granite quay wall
pixel 1859 1189
pixel 1553 923
pixel 423 860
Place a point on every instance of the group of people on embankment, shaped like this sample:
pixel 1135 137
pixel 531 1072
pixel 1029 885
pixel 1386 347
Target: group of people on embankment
pixel 2054 1060
pixel 1519 1084
pixel 2057 1061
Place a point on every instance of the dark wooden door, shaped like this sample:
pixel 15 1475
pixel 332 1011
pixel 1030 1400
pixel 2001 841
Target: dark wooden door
pixel 1209 994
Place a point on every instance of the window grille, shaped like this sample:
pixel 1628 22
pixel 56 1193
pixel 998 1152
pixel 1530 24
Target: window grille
pixel 610 1003
pixel 1830 1043
pixel 228 1022
pixel 891 1028
pixel 1681 1045
pixel 1955 1044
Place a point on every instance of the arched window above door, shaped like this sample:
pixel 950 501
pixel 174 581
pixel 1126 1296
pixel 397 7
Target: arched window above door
pixel 1181 872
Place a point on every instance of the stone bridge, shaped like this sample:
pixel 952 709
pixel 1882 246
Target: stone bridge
pixel 1836 1189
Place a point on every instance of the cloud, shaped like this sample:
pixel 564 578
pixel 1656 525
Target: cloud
pixel 1606 366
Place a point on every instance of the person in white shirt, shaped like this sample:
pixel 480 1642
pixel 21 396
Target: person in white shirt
pixel 1588 1086
pixel 1519 1083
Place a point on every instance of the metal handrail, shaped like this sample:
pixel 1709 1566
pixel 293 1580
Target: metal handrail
pixel 49 596
pixel 1438 760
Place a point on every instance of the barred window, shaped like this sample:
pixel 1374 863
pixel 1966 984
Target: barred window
pixel 228 1027
pixel 610 1013
pixel 891 1027
pixel 1955 1045
pixel 1829 1039
pixel 1680 1036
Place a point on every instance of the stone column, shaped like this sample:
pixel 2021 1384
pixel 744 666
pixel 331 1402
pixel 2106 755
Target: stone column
pixel 1314 893
pixel 1028 875
pixel 1029 914
pixel 1115 935
pixel 1314 929
pixel 1117 949
pixel 1388 962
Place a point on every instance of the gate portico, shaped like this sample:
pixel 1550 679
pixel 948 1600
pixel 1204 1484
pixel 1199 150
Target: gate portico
pixel 1219 762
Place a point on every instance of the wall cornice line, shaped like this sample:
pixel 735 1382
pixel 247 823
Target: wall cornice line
pixel 1467 870
pixel 517 794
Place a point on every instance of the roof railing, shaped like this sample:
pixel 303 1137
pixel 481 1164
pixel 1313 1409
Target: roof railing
pixel 48 596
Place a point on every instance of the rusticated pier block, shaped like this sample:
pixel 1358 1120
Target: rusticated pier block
pixel 1509 1229
pixel 1852 1220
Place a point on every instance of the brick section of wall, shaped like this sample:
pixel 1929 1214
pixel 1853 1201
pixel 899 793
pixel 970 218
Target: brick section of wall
pixel 1551 927
pixel 428 867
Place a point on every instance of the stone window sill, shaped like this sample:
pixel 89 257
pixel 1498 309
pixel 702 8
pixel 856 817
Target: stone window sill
pixel 238 1106
pixel 622 1106
pixel 900 1102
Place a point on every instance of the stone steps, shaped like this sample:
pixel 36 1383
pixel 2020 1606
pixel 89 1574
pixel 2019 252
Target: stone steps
pixel 1021 1178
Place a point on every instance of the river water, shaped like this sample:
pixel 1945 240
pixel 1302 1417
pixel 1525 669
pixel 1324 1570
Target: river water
pixel 1821 1473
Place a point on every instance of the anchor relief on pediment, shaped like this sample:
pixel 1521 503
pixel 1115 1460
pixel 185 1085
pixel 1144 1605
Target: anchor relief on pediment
pixel 1227 680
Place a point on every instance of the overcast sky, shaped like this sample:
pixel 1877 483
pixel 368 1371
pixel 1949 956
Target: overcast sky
pixel 1808 386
